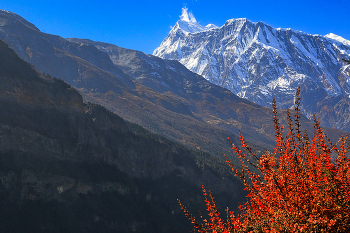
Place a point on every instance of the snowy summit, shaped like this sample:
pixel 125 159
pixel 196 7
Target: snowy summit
pixel 337 38
pixel 189 24
pixel 257 62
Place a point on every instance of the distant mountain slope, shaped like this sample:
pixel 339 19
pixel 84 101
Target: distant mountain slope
pixel 258 62
pixel 52 54
pixel 66 166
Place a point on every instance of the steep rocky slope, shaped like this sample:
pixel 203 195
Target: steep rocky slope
pixel 66 166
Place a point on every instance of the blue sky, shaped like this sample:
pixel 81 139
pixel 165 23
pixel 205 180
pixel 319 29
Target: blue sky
pixel 142 25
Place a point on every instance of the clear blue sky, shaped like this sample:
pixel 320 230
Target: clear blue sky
pixel 142 25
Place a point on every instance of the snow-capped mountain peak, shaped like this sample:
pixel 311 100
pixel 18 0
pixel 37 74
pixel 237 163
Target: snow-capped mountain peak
pixel 187 16
pixel 189 24
pixel 337 38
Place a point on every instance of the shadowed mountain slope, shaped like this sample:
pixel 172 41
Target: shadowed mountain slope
pixel 66 166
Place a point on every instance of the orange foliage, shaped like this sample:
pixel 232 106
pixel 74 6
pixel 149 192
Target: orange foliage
pixel 299 188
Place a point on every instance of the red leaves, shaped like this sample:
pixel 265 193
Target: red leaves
pixel 299 188
pixel 215 223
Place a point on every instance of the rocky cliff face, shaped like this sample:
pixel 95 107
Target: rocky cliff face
pixel 258 62
pixel 66 166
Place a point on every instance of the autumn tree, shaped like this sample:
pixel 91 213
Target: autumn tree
pixel 303 185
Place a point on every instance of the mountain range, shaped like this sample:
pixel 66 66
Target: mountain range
pixel 258 62
pixel 99 138
pixel 160 95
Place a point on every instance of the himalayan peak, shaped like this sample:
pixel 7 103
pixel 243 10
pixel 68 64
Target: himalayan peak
pixel 257 62
pixel 189 24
